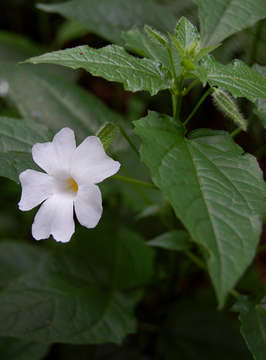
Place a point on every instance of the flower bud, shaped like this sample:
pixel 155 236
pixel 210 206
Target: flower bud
pixel 228 106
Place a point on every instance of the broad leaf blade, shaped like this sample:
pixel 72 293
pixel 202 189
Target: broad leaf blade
pixel 220 19
pixel 14 349
pixel 112 63
pixel 13 163
pixel 76 296
pixel 19 135
pixel 253 325
pixel 195 330
pixel 238 78
pixel 56 102
pixel 216 190
pixel 109 19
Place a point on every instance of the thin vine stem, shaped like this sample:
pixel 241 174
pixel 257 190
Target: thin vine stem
pixel 132 145
pixel 204 96
pixel 236 132
pixel 135 181
pixel 196 260
pixel 190 87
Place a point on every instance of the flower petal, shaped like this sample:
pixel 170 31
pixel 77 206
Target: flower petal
pixel 54 157
pixel 90 164
pixel 36 187
pixel 55 217
pixel 88 205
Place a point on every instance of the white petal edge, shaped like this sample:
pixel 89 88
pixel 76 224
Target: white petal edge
pixel 36 187
pixel 55 157
pixel 55 217
pixel 90 164
pixel 88 205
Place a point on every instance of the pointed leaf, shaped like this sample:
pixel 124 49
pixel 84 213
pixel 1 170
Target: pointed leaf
pixel 139 41
pixel 173 240
pixel 253 325
pixel 109 19
pixel 186 35
pixel 220 19
pixel 112 63
pixel 238 78
pixel 215 189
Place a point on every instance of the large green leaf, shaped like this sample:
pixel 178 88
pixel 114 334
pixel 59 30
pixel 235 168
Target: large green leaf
pixel 55 102
pixel 215 189
pixel 197 331
pixel 14 47
pixel 238 78
pixel 16 139
pixel 253 325
pixel 220 19
pixel 110 18
pixel 12 163
pixel 14 349
pixel 19 135
pixel 84 293
pixel 112 63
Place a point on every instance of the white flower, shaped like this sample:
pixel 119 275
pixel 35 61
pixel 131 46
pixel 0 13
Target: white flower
pixel 69 182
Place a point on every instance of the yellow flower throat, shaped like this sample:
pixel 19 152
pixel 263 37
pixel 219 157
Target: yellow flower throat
pixel 73 185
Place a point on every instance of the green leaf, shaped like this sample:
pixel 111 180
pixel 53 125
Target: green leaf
pixel 187 36
pixel 13 163
pixel 141 42
pixel 81 294
pixel 56 103
pixel 16 139
pixel 109 19
pixel 220 19
pixel 112 63
pixel 197 331
pixel 14 349
pixel 14 47
pixel 107 134
pixel 215 190
pixel 172 240
pixel 253 325
pixel 19 135
pixel 238 78
pixel 69 31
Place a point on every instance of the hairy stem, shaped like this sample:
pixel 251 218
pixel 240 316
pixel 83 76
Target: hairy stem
pixel 204 96
pixel 135 181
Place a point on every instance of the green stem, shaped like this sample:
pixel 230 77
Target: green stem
pixel 179 97
pixel 172 62
pixel 135 181
pixel 190 87
pixel 174 104
pixel 254 46
pixel 128 139
pixel 235 293
pixel 207 93
pixel 236 132
pixel 195 259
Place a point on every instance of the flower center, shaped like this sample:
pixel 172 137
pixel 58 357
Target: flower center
pixel 72 185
